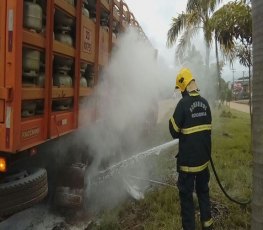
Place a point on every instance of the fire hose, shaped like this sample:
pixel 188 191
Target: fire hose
pixel 115 169
pixel 223 189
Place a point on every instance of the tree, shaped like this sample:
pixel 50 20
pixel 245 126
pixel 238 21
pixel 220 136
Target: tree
pixel 225 94
pixel 187 24
pixel 232 24
pixel 257 131
pixel 244 54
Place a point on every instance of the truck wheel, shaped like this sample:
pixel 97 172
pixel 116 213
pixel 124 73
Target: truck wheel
pixel 22 190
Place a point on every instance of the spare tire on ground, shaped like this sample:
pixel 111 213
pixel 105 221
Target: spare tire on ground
pixel 22 190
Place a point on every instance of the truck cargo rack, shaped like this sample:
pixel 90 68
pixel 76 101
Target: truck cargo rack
pixel 35 109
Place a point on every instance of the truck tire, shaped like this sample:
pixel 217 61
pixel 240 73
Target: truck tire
pixel 22 193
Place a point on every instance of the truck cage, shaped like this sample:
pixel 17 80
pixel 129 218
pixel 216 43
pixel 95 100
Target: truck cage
pixel 93 39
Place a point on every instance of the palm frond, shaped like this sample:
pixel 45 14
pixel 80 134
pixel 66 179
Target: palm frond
pixel 183 22
pixel 184 41
pixel 244 54
pixel 192 5
pixel 194 19
pixel 213 4
pixel 178 24
pixel 229 53
pixel 204 7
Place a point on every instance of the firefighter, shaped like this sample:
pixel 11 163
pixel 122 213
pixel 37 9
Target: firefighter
pixel 191 123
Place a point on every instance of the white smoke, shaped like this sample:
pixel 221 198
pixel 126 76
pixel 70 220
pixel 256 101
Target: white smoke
pixel 126 100
pixel 127 97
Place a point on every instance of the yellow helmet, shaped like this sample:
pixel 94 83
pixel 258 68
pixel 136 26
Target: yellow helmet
pixel 183 79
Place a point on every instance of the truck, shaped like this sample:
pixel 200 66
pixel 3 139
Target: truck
pixel 51 55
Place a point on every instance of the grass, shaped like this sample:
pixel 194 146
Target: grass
pixel 233 160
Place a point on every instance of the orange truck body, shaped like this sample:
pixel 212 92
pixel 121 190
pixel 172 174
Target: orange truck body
pixel 92 45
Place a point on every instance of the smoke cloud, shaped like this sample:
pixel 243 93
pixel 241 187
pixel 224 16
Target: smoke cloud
pixel 126 100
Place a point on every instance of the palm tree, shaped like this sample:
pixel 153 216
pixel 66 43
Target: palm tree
pixel 257 202
pixel 232 24
pixel 186 25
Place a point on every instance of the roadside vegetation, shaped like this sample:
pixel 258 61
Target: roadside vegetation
pixel 160 208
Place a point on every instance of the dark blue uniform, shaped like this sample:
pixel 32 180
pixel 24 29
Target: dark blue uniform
pixel 191 123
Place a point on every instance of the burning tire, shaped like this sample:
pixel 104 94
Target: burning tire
pixel 22 190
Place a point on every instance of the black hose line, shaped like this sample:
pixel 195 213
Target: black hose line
pixel 244 203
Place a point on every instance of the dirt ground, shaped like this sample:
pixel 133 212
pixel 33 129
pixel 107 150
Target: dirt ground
pixel 242 106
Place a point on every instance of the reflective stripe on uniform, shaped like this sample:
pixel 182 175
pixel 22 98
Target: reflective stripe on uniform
pixel 174 125
pixel 208 223
pixel 197 128
pixel 194 169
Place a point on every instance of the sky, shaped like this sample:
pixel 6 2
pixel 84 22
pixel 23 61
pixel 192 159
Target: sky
pixel 155 17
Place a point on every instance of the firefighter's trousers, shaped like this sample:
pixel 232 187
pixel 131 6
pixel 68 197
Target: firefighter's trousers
pixel 187 183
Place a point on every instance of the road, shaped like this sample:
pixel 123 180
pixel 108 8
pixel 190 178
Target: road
pixel 168 105
pixel 240 106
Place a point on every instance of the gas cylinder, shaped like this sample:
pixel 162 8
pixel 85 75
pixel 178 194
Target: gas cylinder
pixel 31 60
pixel 90 81
pixel 64 37
pixel 83 65
pixel 115 27
pixel 63 64
pixel 83 82
pixel 62 79
pixel 28 108
pixel 85 11
pixel 62 104
pixel 32 15
pixel 91 6
pixel 41 80
pixel 104 19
